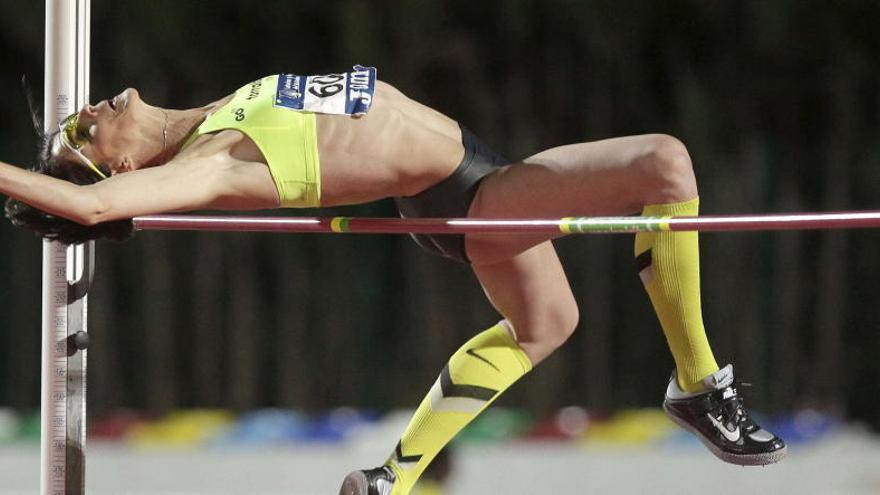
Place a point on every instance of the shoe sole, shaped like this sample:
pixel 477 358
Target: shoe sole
pixel 738 459
pixel 355 483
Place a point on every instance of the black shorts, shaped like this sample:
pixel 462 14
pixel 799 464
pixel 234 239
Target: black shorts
pixel 451 197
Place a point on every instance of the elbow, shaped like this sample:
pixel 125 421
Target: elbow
pixel 94 216
pixel 86 218
pixel 91 212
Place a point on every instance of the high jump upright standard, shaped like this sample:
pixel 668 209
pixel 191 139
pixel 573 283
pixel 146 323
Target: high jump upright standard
pixel 67 272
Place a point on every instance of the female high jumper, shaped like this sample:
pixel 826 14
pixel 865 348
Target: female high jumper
pixel 288 141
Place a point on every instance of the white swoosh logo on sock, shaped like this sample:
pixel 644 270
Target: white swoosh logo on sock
pixel 732 436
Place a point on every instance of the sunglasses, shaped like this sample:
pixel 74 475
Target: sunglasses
pixel 73 138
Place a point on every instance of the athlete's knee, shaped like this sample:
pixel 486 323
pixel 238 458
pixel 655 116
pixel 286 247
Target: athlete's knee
pixel 665 165
pixel 565 320
pixel 546 330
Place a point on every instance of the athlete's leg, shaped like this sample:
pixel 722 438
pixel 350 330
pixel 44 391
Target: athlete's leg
pixel 532 293
pixel 620 176
pixel 614 177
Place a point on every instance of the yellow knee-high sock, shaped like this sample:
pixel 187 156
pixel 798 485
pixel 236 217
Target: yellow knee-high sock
pixel 669 266
pixel 476 374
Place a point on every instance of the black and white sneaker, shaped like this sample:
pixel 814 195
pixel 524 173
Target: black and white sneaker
pixel 379 481
pixel 718 418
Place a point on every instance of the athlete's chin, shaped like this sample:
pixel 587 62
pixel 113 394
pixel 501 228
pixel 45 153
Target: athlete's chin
pixel 134 101
pixel 132 94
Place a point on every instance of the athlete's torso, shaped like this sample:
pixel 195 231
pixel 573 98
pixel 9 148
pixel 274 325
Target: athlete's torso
pixel 398 148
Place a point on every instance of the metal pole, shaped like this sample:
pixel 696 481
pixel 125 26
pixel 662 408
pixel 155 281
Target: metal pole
pixel 571 225
pixel 66 272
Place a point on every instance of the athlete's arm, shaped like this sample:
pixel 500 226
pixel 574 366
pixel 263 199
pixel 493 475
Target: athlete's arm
pixel 185 185
pixel 201 180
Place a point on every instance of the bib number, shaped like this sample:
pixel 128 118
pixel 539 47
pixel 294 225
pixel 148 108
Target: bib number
pixel 349 93
pixel 326 86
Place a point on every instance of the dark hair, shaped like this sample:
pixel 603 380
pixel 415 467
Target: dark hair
pixel 53 227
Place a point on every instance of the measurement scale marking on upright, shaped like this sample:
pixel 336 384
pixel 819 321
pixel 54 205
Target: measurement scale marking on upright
pixel 59 378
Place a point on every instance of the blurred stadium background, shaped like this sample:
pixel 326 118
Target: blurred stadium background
pixel 233 363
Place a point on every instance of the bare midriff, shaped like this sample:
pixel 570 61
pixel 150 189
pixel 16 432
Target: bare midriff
pixel 399 148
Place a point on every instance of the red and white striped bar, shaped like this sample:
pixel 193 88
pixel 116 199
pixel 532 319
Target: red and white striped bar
pixel 571 225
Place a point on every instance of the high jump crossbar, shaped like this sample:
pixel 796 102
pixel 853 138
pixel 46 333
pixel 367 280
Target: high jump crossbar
pixel 570 225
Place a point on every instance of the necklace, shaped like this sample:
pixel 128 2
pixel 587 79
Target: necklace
pixel 165 131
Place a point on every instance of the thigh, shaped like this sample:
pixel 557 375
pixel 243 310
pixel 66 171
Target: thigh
pixel 586 179
pixel 532 292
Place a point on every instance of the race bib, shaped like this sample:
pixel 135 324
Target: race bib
pixel 349 93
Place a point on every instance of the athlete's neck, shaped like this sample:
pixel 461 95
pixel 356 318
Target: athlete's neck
pixel 180 124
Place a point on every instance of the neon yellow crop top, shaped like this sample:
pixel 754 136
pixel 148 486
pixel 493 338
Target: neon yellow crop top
pixel 287 139
pixel 278 114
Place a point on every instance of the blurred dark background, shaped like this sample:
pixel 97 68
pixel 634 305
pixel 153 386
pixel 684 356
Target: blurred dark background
pixel 777 101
